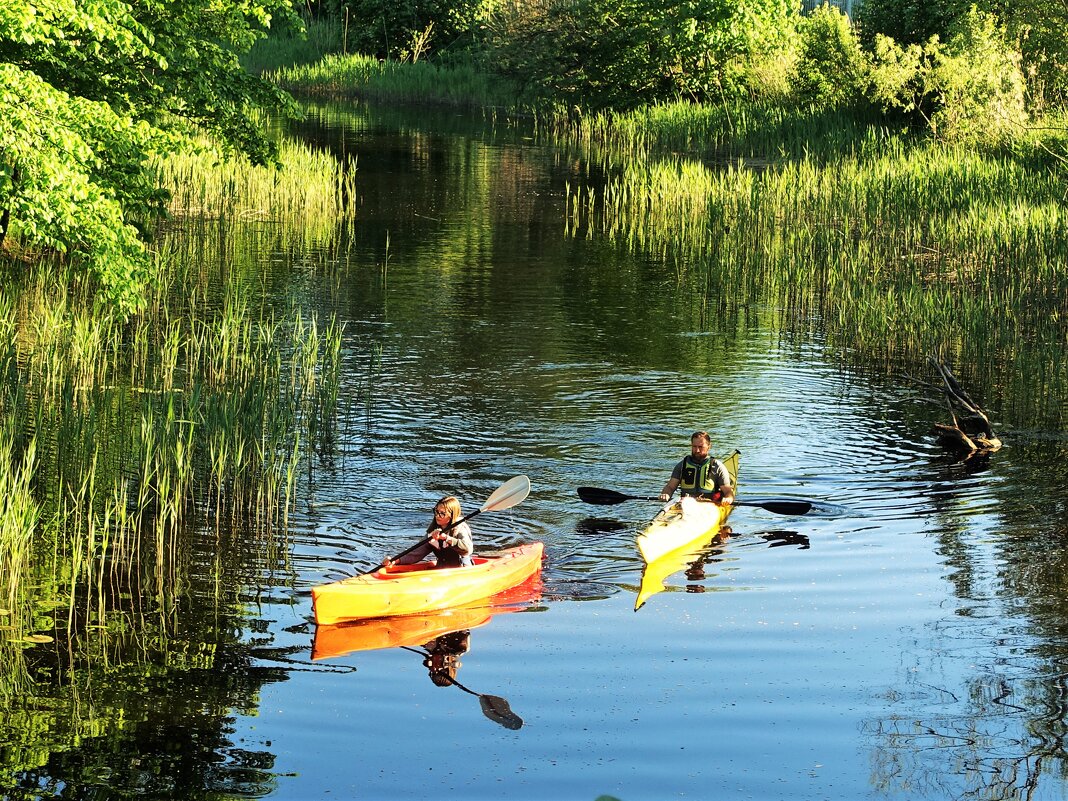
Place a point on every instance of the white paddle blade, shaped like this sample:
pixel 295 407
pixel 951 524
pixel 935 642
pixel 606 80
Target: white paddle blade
pixel 511 492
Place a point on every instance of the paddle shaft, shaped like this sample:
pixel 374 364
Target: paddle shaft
pixel 607 497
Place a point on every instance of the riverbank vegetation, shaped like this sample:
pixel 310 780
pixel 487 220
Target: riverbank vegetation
pixel 964 72
pixel 81 123
pixel 148 457
pixel 153 435
pixel 148 387
pixel 903 171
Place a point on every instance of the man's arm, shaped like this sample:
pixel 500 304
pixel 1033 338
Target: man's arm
pixel 669 489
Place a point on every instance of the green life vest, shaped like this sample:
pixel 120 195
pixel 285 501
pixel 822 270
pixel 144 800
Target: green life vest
pixel 698 479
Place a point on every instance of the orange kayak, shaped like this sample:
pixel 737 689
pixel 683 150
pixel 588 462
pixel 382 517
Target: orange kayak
pixel 420 588
pixel 393 632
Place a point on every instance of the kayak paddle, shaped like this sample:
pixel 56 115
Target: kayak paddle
pixel 511 492
pixel 607 497
pixel 493 706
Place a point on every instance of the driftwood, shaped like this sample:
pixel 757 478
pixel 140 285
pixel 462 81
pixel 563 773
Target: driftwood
pixel 971 433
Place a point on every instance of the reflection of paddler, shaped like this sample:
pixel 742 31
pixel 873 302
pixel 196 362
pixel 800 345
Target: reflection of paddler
pixel 443 656
pixel 442 659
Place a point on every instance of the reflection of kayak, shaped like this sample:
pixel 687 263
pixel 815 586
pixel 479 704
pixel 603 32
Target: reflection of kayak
pixel 392 632
pixel 655 572
pixel 419 588
pixel 685 522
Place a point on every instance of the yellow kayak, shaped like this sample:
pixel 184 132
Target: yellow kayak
pixel 420 588
pixel 686 521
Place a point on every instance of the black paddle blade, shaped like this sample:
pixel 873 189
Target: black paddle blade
pixel 496 709
pixel 607 497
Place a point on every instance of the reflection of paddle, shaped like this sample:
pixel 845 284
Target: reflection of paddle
pixel 607 497
pixel 493 706
pixel 510 493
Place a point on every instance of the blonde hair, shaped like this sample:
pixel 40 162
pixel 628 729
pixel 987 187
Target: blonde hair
pixel 452 506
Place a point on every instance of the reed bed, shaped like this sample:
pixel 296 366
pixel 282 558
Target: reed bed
pixel 337 75
pixel 130 432
pixel 309 197
pixel 893 253
pixel 128 441
pixel 760 132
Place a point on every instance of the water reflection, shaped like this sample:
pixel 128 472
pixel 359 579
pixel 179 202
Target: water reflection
pixel 439 638
pixel 596 526
pixel 443 656
pixel 694 562
pixel 442 660
pixel 777 539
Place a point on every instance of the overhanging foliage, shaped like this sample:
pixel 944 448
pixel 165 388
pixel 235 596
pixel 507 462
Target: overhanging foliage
pixel 90 90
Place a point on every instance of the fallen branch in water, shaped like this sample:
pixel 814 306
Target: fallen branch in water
pixel 971 433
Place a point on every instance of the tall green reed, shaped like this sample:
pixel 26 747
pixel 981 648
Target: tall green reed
pixel 353 75
pixel 891 251
pixel 132 434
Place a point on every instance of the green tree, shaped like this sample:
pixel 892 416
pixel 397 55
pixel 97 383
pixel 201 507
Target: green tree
pixel 831 70
pixel 622 53
pixel 90 91
pixel 408 29
pixel 1040 30
pixel 1037 29
pixel 978 83
pixel 907 22
pixel 969 88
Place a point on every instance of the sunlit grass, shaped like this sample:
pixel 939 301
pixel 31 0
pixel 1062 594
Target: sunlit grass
pixel 311 194
pixel 892 252
pixel 354 75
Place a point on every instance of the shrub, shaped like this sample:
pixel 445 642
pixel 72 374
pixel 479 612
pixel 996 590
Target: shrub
pixel 831 70
pixel 968 89
pixel 978 83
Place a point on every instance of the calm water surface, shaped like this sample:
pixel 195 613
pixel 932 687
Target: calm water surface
pixel 889 645
pixel 906 640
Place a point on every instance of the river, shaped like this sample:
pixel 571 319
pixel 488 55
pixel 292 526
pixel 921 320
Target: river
pixel 906 639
